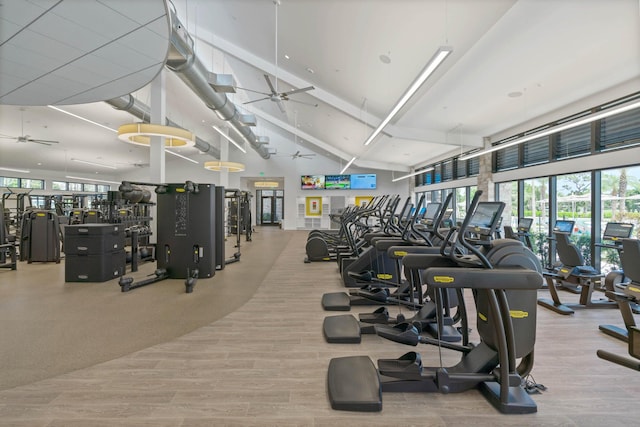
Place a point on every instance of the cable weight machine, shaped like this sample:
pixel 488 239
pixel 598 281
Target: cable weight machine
pixel 186 233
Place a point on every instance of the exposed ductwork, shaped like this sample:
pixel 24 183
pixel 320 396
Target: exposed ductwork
pixel 183 61
pixel 129 104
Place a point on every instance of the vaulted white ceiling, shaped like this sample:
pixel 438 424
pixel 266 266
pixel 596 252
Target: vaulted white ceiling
pixel 512 61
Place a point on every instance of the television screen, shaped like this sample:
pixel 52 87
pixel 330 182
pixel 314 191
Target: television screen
pixel 339 182
pixel 312 182
pixel 365 181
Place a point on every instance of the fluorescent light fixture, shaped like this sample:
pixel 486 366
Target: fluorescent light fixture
pixel 266 184
pixel 91 179
pixel 82 118
pixel 87 162
pixel 181 156
pixel 347 166
pixel 229 139
pixel 431 66
pixel 411 174
pixel 14 170
pixel 555 129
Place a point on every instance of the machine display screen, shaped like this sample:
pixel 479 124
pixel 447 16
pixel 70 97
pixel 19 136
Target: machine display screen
pixel 432 210
pixel 524 224
pixel 617 230
pixel 563 226
pixel 486 215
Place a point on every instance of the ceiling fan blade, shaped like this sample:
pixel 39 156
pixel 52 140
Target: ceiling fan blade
pixel 291 92
pixel 302 102
pixel 43 141
pixel 7 137
pixel 273 89
pixel 281 106
pixel 254 91
pixel 256 100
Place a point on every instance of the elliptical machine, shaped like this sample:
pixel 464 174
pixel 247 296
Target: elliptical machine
pixel 504 276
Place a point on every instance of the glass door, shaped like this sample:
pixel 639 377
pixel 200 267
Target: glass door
pixel 271 207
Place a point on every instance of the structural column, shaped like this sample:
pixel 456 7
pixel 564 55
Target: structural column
pixel 224 157
pixel 485 178
pixel 158 116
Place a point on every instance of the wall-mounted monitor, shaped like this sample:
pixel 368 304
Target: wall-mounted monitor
pixel 312 182
pixel 337 182
pixel 366 181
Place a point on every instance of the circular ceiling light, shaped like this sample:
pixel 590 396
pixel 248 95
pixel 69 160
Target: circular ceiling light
pixel 141 133
pixel 218 166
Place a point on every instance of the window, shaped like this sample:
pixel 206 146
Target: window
pixel 574 203
pixel 620 193
pixel 104 188
pixel 536 151
pixel 573 142
pixel 9 182
pixel 447 170
pixel 508 193
pixel 621 130
pixel 473 166
pixel 461 168
pixel 36 184
pixel 75 186
pixel 507 158
pixel 59 185
pixel 536 206
pixel 90 187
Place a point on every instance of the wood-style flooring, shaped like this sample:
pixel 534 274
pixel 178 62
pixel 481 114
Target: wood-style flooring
pixel 265 364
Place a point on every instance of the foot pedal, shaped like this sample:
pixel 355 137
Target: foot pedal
pixel 354 384
pixel 381 316
pixel 342 329
pixel 336 301
pixel 408 366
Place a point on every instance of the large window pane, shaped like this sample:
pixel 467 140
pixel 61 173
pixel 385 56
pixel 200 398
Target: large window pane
pixel 620 203
pixel 574 203
pixel 536 206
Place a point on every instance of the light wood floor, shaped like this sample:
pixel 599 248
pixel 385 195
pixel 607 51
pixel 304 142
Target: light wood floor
pixel 265 364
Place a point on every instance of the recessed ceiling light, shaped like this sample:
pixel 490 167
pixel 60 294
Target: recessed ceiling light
pixel 515 94
pixel 286 56
pixel 310 70
pixel 385 59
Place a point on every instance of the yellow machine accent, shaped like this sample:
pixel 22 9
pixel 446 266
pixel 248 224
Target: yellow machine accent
pixel 384 276
pixel 399 253
pixel 482 317
pixel 443 279
pixel 519 314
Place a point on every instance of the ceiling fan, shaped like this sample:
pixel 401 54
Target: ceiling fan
pixel 273 94
pixel 278 97
pixel 27 138
pixel 298 155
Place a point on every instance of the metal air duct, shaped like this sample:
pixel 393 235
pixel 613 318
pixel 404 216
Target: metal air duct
pixel 129 104
pixel 183 61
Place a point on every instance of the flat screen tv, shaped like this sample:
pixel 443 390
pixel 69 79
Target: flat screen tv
pixel 337 182
pixel 312 182
pixel 366 181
